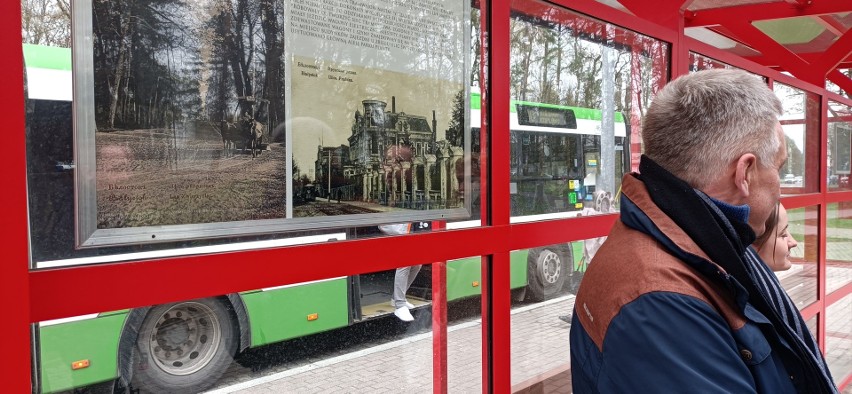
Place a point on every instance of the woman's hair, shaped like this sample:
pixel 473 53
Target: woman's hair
pixel 771 229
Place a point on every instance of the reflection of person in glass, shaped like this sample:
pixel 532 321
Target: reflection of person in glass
pixel 775 244
pixel 404 276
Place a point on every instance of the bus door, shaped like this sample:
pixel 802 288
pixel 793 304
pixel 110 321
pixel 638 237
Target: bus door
pixel 371 293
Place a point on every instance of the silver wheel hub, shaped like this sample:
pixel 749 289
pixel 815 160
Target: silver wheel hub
pixel 185 338
pixel 550 266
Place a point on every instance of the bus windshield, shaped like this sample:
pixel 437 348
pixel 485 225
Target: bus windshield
pixel 555 157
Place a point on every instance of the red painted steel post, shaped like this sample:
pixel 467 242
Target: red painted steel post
pixel 14 270
pixel 439 321
pixel 496 296
pixel 822 237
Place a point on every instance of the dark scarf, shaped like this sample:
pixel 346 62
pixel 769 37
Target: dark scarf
pixel 726 241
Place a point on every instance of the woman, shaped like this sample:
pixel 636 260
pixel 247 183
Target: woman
pixel 775 244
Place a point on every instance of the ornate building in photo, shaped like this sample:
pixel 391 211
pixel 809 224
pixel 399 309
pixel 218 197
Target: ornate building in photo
pixel 396 159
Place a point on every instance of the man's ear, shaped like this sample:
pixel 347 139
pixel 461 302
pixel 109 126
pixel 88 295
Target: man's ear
pixel 744 173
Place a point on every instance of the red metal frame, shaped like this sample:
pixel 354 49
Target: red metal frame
pixel 439 322
pixel 496 328
pixel 736 23
pixel 59 293
pixel 14 279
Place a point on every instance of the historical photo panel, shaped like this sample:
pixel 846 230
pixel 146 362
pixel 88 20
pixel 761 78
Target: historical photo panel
pixel 216 118
pixel 377 108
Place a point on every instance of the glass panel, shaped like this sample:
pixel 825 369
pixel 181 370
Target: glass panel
pixel 838 339
pixel 838 238
pixel 700 62
pixel 800 122
pixel 157 164
pixel 812 325
pixel 800 280
pixel 464 328
pixel 540 352
pixel 839 145
pixel 579 87
pixel 334 335
pixel 832 87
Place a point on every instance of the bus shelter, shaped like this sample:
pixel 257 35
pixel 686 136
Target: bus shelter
pixel 191 182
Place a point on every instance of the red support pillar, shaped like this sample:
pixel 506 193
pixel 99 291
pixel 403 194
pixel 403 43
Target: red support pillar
pixel 439 321
pixel 820 110
pixel 14 271
pixel 496 294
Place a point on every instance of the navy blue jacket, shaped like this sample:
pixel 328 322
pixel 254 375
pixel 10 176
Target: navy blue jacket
pixel 656 314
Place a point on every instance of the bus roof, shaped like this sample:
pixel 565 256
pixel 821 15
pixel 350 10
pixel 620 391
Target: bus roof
pixel 579 113
pixel 45 57
pixel 48 71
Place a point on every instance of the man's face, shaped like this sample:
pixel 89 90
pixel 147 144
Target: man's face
pixel 765 188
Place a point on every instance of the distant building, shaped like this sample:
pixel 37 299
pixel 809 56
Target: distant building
pixel 334 159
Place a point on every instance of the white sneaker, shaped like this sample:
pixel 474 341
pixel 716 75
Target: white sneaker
pixel 407 304
pixel 403 314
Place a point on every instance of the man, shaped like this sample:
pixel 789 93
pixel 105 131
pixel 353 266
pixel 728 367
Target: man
pixel 675 300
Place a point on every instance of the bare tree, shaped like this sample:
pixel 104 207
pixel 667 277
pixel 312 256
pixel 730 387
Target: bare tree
pixel 46 22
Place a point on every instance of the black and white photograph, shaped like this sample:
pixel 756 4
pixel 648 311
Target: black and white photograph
pixel 187 95
pixel 209 118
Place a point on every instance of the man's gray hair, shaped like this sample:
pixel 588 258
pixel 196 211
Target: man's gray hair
pixel 699 123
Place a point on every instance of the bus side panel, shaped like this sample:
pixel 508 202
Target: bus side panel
pixel 577 251
pixel 518 268
pixel 94 340
pixel 464 276
pixel 296 311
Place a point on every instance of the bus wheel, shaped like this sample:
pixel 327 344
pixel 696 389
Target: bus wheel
pixel 184 347
pixel 547 269
pixel 574 281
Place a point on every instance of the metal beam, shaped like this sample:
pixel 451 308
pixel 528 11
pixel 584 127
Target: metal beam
pixel 810 58
pixel 763 11
pixel 835 54
pixel 772 49
pixel 666 13
pixel 830 23
pixel 840 80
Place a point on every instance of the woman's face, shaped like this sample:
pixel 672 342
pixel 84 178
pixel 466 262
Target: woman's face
pixel 776 251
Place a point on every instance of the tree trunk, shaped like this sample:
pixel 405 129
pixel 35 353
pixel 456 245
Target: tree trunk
pixel 272 84
pixel 120 68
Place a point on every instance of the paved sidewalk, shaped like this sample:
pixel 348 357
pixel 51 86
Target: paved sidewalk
pixel 539 350
pixel 540 354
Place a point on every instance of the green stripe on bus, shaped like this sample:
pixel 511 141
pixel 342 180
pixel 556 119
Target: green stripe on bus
pixel 44 57
pixel 579 113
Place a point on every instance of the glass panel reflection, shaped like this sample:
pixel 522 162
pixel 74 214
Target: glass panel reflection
pixel 579 87
pixel 838 245
pixel 700 62
pixel 333 335
pixel 800 122
pixel 812 325
pixel 800 280
pixel 540 352
pixel 838 339
pixel 839 145
pixel 189 131
pixel 464 328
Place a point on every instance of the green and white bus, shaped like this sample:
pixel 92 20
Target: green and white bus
pixel 186 346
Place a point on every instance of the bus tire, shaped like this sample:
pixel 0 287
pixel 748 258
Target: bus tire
pixel 574 281
pixel 185 346
pixel 547 270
